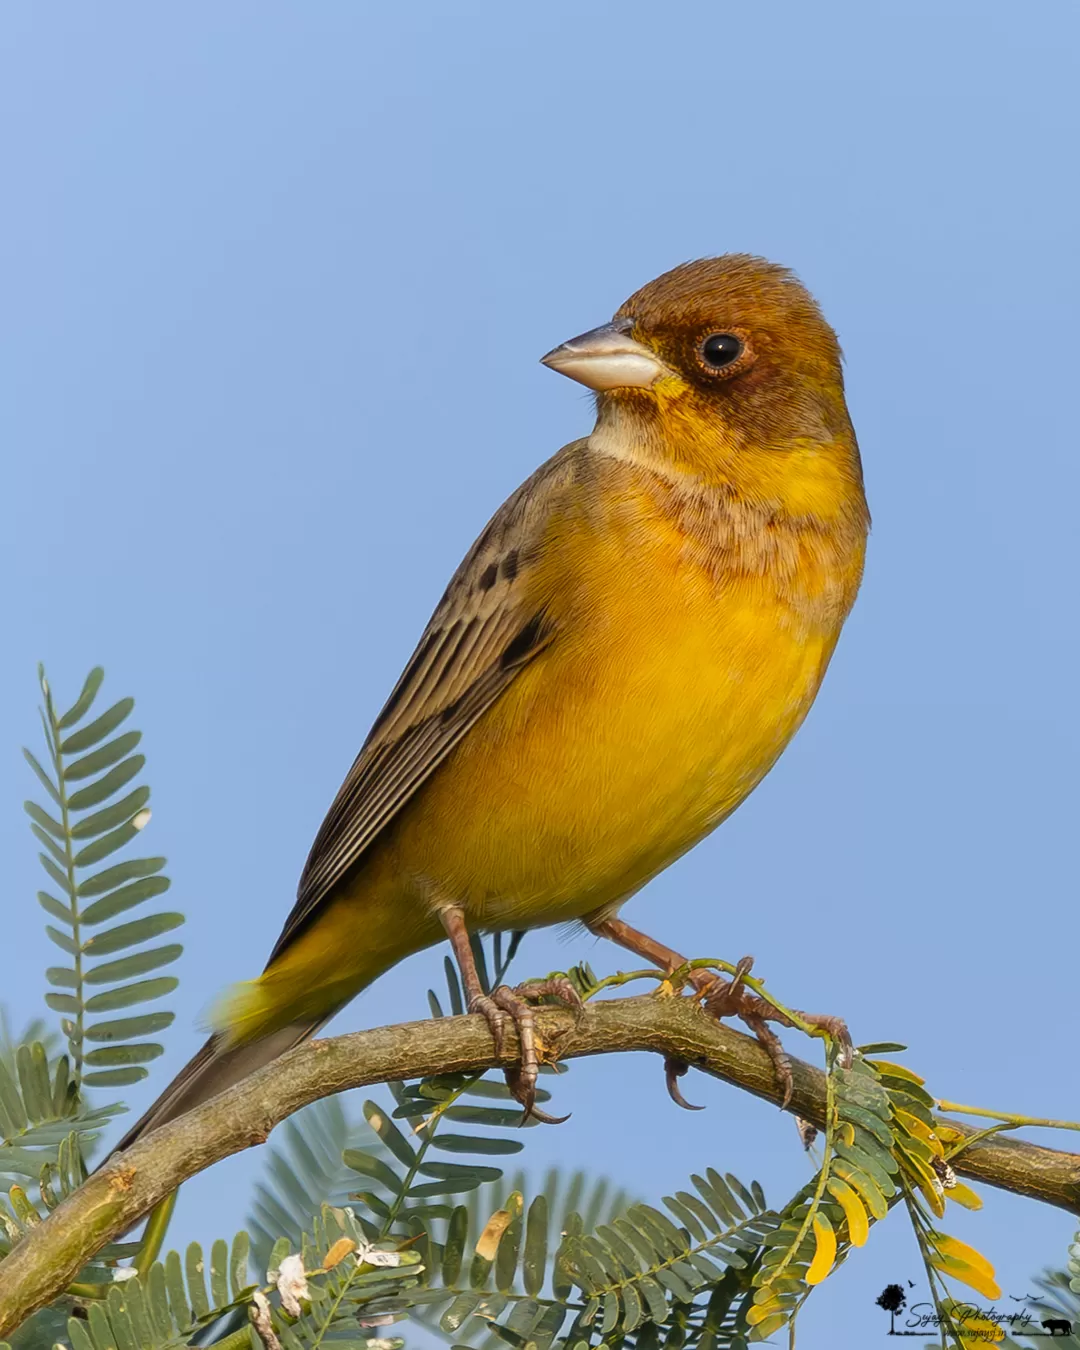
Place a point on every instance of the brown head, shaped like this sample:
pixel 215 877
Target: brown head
pixel 717 366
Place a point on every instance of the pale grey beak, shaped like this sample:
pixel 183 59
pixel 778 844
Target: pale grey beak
pixel 607 358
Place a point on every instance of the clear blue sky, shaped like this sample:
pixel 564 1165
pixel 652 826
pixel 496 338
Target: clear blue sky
pixel 276 279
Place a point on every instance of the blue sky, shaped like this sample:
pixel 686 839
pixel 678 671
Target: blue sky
pixel 276 282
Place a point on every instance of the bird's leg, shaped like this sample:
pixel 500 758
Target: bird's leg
pixel 726 998
pixel 503 1002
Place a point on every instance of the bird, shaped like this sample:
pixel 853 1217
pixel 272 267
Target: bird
pixel 619 660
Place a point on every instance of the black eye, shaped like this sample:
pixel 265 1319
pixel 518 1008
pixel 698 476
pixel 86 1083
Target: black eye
pixel 720 350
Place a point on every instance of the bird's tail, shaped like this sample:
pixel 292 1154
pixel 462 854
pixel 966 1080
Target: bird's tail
pixel 214 1068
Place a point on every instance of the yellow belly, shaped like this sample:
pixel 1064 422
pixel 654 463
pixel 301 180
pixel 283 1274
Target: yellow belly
pixel 666 697
pixel 606 761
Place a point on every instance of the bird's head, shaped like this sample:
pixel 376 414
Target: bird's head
pixel 715 362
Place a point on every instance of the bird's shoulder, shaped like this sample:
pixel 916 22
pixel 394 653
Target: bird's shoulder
pixel 492 598
pixel 491 622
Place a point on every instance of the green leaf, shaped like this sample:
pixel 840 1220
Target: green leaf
pixel 46 781
pixel 45 821
pixel 476 944
pixel 63 976
pixel 129 966
pixel 633 1312
pixel 457 1230
pixel 63 1003
pixel 484 1115
pixel 453 1171
pixel 458 1187
pixel 702 1210
pixel 506 1257
pixel 870 1164
pixel 118 874
pixel 219 1273
pixel 465 1143
pixel 108 843
pixel 114 1077
pixel 65 943
pixel 880 1048
pixel 59 877
pixel 238 1260
pixel 122 1327
pixel 453 987
pixel 104 758
pixel 389 1133
pixel 375 1168
pixel 78 1335
pixel 659 1227
pixel 715 1192
pixel 33 1071
pixel 104 788
pixel 495 1087
pixel 620 1248
pixel 196 1285
pixel 55 907
pixel 125 1028
pixel 459 1310
pixel 373 1202
pixel 81 706
pixel 743 1194
pixel 157 1301
pixel 130 934
pixel 174 1284
pixel 136 1303
pixel 641 1242
pixel 601 1261
pixel 126 897
pixel 51 844
pixel 654 1298
pixel 115 1055
pixel 129 994
pixel 686 1217
pixel 99 1325
pixel 534 1258
pixel 97 730
pixel 111 816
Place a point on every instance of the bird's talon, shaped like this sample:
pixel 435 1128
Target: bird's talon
pixel 505 1001
pixel 732 998
pixel 493 1015
pixel 673 1071
pixel 835 1028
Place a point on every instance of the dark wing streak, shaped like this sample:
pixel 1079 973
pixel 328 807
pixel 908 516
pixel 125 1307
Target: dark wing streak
pixel 480 635
pixel 450 649
pixel 407 763
pixel 410 693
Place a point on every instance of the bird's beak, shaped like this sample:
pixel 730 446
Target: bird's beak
pixel 607 358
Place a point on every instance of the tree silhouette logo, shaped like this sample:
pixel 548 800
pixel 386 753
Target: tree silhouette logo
pixel 892 1298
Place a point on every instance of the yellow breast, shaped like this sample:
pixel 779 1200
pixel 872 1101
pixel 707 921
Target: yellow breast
pixel 672 687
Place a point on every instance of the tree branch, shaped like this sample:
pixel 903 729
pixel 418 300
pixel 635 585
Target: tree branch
pixel 47 1259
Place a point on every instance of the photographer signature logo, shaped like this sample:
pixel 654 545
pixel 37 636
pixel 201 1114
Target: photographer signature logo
pixel 919 1318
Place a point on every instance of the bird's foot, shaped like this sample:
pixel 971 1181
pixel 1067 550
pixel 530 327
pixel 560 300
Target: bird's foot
pixel 505 1002
pixel 731 998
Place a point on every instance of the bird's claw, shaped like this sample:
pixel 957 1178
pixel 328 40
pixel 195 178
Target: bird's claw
pixel 673 1071
pixel 503 1002
pixel 727 998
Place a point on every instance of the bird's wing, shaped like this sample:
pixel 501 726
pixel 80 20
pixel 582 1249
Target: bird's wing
pixel 487 627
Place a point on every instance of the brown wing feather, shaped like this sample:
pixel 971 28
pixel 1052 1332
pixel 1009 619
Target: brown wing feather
pixel 485 629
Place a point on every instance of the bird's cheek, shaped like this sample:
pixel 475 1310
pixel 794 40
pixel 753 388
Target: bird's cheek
pixel 670 390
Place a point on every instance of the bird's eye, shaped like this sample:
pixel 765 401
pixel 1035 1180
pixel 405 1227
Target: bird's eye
pixel 720 350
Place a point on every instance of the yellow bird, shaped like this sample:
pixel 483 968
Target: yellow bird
pixel 617 663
